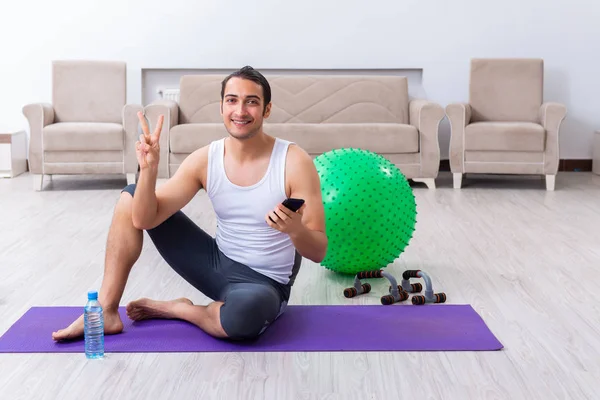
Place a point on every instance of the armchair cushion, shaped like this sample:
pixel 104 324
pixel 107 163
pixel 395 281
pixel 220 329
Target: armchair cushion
pixel 88 91
pixel 505 136
pixel 506 89
pixel 68 136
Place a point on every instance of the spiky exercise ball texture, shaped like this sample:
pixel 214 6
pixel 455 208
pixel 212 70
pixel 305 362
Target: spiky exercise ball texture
pixel 370 210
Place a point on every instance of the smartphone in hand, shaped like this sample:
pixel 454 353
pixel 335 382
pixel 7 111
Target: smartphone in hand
pixel 292 204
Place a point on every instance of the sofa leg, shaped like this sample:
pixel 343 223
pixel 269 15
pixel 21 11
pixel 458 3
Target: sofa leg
pixel 457 179
pixel 430 182
pixel 38 182
pixel 550 182
pixel 130 179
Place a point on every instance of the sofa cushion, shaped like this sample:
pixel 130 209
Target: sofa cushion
pixel 315 99
pixel 308 99
pixel 505 136
pixel 320 138
pixel 187 138
pixel 314 138
pixel 68 136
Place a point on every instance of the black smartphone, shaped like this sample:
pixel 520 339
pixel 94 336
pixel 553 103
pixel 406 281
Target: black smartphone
pixel 293 204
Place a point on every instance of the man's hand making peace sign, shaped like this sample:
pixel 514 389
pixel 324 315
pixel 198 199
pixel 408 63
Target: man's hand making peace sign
pixel 148 148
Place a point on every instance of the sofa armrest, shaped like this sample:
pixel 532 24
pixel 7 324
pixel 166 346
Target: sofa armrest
pixel 131 124
pixel 38 115
pixel 426 117
pixel 551 116
pixel 170 110
pixel 459 115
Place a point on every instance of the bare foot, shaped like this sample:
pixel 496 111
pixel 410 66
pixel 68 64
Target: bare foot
pixel 112 325
pixel 148 308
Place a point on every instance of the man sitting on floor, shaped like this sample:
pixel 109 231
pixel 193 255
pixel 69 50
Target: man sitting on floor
pixel 248 269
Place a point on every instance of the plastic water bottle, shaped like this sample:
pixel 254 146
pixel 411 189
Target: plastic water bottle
pixel 93 327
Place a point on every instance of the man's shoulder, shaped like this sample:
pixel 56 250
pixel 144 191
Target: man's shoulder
pixel 201 153
pixel 298 159
pixel 195 165
pixel 198 158
pixel 297 154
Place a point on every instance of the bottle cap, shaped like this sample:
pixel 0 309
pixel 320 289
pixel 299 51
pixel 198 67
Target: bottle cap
pixel 92 295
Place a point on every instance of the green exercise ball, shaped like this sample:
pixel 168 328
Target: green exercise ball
pixel 370 210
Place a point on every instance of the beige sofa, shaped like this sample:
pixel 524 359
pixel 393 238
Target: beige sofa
pixel 88 128
pixel 505 128
pixel 319 113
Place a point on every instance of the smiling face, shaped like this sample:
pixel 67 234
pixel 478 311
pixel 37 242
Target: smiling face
pixel 243 108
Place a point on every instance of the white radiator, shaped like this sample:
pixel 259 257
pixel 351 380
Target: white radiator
pixel 169 94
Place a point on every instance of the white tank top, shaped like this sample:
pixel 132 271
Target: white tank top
pixel 242 232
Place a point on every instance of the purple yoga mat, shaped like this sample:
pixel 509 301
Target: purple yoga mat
pixel 431 327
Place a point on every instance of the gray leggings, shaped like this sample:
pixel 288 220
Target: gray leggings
pixel 252 301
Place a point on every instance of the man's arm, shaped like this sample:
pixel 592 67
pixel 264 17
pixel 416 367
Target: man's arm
pixel 151 206
pixel 309 238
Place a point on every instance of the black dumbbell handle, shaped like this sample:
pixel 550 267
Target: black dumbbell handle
pixel 411 273
pixel 370 274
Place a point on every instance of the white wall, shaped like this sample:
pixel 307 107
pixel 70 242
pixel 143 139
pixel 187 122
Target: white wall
pixel 438 36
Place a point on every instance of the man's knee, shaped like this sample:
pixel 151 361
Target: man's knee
pixel 125 202
pixel 248 310
pixel 129 189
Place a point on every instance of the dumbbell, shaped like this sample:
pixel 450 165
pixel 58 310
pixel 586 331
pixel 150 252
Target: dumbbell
pixel 429 296
pixel 396 295
pixel 359 287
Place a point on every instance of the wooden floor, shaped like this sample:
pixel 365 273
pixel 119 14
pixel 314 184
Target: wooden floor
pixel 527 260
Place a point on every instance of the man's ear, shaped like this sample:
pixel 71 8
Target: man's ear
pixel 267 110
pixel 221 107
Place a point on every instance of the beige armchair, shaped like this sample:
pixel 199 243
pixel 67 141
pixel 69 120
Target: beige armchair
pixel 506 128
pixel 88 128
pixel 319 113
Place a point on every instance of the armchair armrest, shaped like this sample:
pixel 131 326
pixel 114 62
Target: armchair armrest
pixel 426 116
pixel 459 115
pixel 551 116
pixel 130 126
pixel 170 110
pixel 38 115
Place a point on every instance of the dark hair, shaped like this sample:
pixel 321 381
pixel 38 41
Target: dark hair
pixel 253 75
